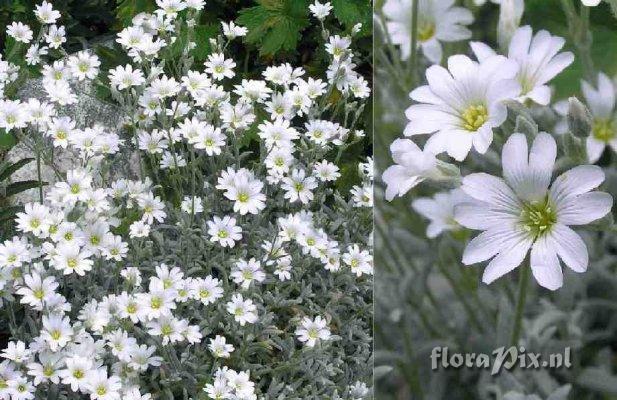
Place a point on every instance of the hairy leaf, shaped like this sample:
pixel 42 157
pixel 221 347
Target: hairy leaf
pixel 275 24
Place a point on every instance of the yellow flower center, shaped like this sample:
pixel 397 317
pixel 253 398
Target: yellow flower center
pixel 156 303
pixel 243 197
pixel 426 30
pixel 474 117
pixel 538 217
pixel 603 130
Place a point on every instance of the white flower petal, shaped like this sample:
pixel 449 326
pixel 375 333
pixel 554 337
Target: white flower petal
pixel 569 247
pixel 595 148
pixel 545 265
pixel 481 216
pixel 576 181
pixel 491 242
pixel 482 51
pixel 511 257
pixel 493 190
pixel 584 208
pixel 432 50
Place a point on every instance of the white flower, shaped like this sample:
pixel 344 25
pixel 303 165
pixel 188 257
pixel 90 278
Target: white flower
pixel 538 60
pixel 35 219
pixel 360 261
pixel 326 171
pixel 245 272
pixel 521 212
pixel 56 36
pixel 246 194
pixel 313 330
pixel 102 387
pixel 224 231
pixel 171 7
pixel 299 187
pixel 12 114
pixel 337 46
pixel 20 32
pixel 16 352
pixel 461 105
pixel 47 369
pixel 220 348
pixel 166 326
pixel 69 258
pixel 142 357
pixel 283 268
pixel 220 67
pixel 195 4
pixel 21 389
pixel 232 31
pixel 601 102
pixel 244 311
pixel 591 3
pixel 57 331
pixel 206 290
pixel 192 205
pixel 34 53
pixel 320 11
pixel 412 166
pixel 210 139
pixel 75 373
pixel 440 211
pixel 362 195
pixel 139 229
pixel 13 253
pixel 152 207
pixel 46 14
pixel 84 65
pixel 359 391
pixel 125 77
pixel 438 21
pixel 37 290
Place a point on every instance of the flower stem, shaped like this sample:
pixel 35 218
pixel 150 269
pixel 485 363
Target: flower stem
pixel 38 173
pixel 413 55
pixel 523 284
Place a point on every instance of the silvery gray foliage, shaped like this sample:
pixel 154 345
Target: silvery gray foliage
pixel 201 247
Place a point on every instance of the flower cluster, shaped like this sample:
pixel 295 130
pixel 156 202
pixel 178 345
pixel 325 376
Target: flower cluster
pixel 462 108
pixel 188 239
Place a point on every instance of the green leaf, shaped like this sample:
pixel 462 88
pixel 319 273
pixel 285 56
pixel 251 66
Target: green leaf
pixel 203 34
pixel 7 169
pixel 19 187
pixel 7 213
pixel 7 140
pixel 275 24
pixel 127 9
pixel 351 12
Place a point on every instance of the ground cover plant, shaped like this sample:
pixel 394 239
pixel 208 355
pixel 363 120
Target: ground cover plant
pixel 210 240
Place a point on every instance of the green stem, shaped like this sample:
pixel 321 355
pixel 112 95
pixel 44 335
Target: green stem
pixel 38 173
pixel 413 55
pixel 523 284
